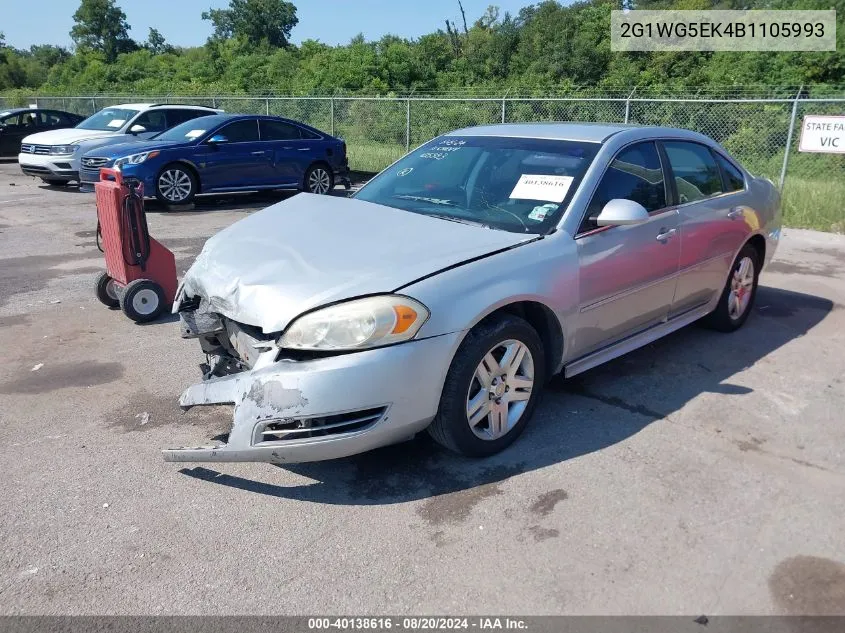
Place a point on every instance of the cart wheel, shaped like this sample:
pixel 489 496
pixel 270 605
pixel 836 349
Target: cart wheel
pixel 107 291
pixel 142 300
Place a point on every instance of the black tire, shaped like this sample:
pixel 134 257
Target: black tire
pixel 725 318
pixel 107 291
pixel 451 426
pixel 317 177
pixel 176 184
pixel 54 182
pixel 142 300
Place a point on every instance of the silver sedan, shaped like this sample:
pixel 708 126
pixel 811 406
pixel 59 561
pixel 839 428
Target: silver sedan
pixel 445 293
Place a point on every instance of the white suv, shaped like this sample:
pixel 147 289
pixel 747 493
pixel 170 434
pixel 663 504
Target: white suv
pixel 54 156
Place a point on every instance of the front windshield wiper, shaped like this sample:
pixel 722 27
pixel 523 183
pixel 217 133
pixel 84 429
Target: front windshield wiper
pixel 454 219
pixel 445 203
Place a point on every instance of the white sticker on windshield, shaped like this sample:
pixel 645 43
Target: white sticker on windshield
pixel 194 133
pixel 540 213
pixel 538 187
pixel 117 122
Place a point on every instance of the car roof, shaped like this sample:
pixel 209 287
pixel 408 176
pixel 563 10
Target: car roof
pixel 148 106
pixel 585 132
pixel 589 132
pixel 16 110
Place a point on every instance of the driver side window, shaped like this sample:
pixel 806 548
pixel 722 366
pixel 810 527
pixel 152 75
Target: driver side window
pixel 635 174
pixel 152 120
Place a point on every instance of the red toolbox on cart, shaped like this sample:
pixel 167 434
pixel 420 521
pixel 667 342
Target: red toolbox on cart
pixel 140 274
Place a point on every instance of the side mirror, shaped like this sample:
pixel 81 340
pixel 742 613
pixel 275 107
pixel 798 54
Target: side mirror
pixel 137 129
pixel 218 139
pixel 621 212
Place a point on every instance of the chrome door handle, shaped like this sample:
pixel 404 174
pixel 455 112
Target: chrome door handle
pixel 736 213
pixel 304 149
pixel 258 153
pixel 665 235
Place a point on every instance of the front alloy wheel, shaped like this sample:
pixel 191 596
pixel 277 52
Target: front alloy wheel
pixel 492 387
pixel 175 185
pixel 500 390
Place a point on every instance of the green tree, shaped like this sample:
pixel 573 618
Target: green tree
pixel 156 43
pixel 256 21
pixel 100 25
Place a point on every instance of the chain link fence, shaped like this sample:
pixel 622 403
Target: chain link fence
pixel 762 133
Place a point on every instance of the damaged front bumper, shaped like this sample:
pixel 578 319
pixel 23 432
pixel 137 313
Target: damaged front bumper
pixel 288 411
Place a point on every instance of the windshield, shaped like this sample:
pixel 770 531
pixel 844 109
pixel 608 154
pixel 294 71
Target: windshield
pixel 513 184
pixel 191 130
pixel 109 119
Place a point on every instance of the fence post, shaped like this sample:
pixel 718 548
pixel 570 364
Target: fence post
pixel 407 125
pixel 93 105
pixel 331 101
pixel 503 109
pixel 789 137
pixel 628 105
pixel 214 102
pixel 267 106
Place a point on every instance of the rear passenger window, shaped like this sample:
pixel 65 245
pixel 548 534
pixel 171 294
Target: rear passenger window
pixel 697 175
pixel 180 115
pixel 733 177
pixel 635 174
pixel 309 133
pixel 278 131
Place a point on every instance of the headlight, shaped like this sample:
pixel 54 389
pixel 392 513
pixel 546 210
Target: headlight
pixel 357 324
pixel 62 150
pixel 135 159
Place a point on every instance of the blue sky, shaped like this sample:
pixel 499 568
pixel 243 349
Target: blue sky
pixel 330 21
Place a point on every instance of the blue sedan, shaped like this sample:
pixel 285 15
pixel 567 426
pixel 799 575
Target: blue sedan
pixel 226 153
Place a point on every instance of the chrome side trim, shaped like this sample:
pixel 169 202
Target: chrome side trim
pixel 628 292
pixel 707 261
pixel 634 342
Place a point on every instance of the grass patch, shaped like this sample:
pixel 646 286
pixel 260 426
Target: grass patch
pixel 366 155
pixel 814 204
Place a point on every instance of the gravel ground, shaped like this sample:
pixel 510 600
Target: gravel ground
pixel 701 474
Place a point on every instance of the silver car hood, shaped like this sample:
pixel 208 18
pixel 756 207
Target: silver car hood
pixel 310 250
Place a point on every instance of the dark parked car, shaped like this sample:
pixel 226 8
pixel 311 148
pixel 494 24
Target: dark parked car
pixel 21 122
pixel 225 153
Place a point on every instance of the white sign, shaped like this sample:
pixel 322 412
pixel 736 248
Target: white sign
pixel 824 134
pixel 538 187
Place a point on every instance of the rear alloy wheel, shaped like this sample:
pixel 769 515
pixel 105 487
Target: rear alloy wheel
pixel 739 293
pixel 176 185
pixel 142 300
pixel 319 180
pixel 492 387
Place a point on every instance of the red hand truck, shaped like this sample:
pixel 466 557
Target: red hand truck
pixel 140 274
